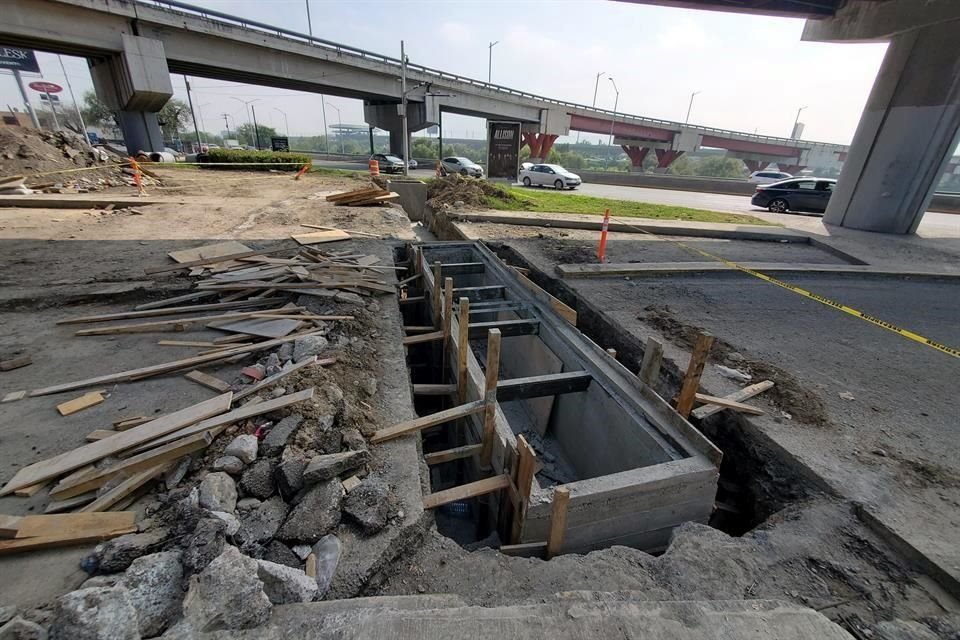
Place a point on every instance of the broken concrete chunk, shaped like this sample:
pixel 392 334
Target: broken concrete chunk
pixel 175 475
pixel 332 465
pixel 230 520
pixel 280 553
pixel 354 440
pixel 117 554
pixel 228 594
pixel 154 585
pixel 276 439
pixel 95 614
pixel 262 523
pixel 329 439
pixel 369 386
pixel 257 479
pixel 285 585
pixel 243 447
pixel 308 346
pixel 204 544
pixel 302 550
pixel 289 477
pixel 347 297
pixel 370 505
pixel 317 514
pixel 7 613
pixel 218 492
pixel 20 629
pixel 326 557
pixel 247 504
pixel 230 464
pixel 285 352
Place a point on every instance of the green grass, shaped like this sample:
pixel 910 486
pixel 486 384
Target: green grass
pixel 346 173
pixel 548 200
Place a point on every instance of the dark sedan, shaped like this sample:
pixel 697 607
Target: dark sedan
pixel 795 194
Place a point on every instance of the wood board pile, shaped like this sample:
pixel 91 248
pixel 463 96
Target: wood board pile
pixel 362 197
pixel 245 294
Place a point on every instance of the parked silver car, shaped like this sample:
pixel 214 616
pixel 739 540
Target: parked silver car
pixel 463 166
pixel 549 174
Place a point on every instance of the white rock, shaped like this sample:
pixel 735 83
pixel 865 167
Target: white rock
pixel 155 587
pixel 226 595
pixel 218 492
pixel 231 521
pixel 285 585
pixel 243 447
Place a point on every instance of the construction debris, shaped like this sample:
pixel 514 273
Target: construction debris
pixel 363 197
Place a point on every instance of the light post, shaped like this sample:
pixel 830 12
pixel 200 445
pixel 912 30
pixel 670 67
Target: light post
pixel 246 104
pixel 490 60
pixel 309 21
pixel 616 102
pixel 690 106
pixel 596 85
pixel 286 125
pixel 796 120
pixel 340 123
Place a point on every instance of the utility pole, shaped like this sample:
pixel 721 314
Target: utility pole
pixel 326 132
pixel 616 101
pixel 26 99
pixel 256 129
pixel 403 107
pixel 309 21
pixel 690 106
pixel 490 61
pixel 83 127
pixel 226 122
pixel 795 121
pixel 193 115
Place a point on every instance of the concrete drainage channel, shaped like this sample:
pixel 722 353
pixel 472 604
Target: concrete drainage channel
pixel 530 430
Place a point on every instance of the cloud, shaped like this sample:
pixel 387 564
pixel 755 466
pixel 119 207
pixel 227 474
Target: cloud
pixel 455 32
pixel 683 35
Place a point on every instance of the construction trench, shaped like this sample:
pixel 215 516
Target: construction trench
pixel 532 470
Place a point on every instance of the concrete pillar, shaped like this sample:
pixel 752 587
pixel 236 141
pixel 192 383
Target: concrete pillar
pixel 387 117
pixel 141 131
pixel 754 165
pixel 906 134
pixel 540 145
pixel 665 158
pixel 636 155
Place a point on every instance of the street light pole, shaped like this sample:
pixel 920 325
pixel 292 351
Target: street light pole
pixel 193 114
pixel 596 85
pixel 404 146
pixel 616 101
pixel 340 122
pixel 326 132
pixel 256 129
pixel 309 22
pixel 796 120
pixel 286 124
pixel 490 60
pixel 226 123
pixel 246 104
pixel 83 127
pixel 690 106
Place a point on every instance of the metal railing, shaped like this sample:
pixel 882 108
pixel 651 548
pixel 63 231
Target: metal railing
pixel 340 49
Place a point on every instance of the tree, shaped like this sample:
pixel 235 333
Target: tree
pixel 245 135
pixel 208 138
pixel 97 114
pixel 173 118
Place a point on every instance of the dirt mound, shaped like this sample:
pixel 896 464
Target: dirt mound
pixel 462 192
pixel 29 152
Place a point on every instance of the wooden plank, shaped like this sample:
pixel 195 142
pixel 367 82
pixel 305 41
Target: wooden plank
pixel 100 434
pixel 524 550
pixel 174 324
pixel 464 491
pixel 125 488
pixel 318 237
pixel 90 399
pixel 407 280
pixel 435 293
pixel 13 396
pixel 487 292
pixel 218 250
pixel 150 313
pixel 490 396
pixel 526 469
pixel 463 348
pixel 691 381
pixel 184 343
pixel 29 491
pixel 165 367
pixel 652 357
pixel 206 380
pixel 744 394
pixel 70 504
pixel 244 412
pixel 352 232
pixel 457 453
pixel 8 547
pixel 412 299
pixel 187 297
pixel 270 380
pixel 15 363
pixel 726 403
pixel 9 525
pixel 87 454
pixel 347 195
pixel 206 261
pixel 166 453
pixel 558 520
pixel 423 337
pixel 265 328
pixel 563 310
pixel 546 385
pixel 419 424
pixel 73 524
pixel 230 339
pixel 507 328
pixel 434 389
pixel 461 268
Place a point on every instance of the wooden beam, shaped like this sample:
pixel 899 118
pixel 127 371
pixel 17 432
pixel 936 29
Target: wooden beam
pixel 125 488
pixel 464 491
pixel 411 300
pixel 423 337
pixel 208 381
pixel 522 327
pixel 744 394
pixel 271 380
pixel 652 357
pixel 206 261
pixel 563 310
pixel 419 328
pixel 524 550
pixel 434 389
pixel 167 302
pixel 489 292
pixel 216 306
pixel 725 403
pixel 435 293
pixel 463 349
pixel 92 535
pixel 447 309
pixel 87 454
pixel 15 363
pixel 526 469
pixel 461 268
pixel 490 396
pixel 457 453
pixel 70 504
pixel 546 385
pixel 558 521
pixel 100 434
pixel 72 524
pixel 89 399
pixel 691 381
pixel 419 424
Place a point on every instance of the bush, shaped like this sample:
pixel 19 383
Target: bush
pixel 266 157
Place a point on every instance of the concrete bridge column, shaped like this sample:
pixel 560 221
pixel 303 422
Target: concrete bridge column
pixel 135 85
pixel 387 117
pixel 754 165
pixel 906 134
pixel 665 158
pixel 540 145
pixel 636 155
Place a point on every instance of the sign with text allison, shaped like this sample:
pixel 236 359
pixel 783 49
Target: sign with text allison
pixel 503 150
pixel 14 59
pixel 280 143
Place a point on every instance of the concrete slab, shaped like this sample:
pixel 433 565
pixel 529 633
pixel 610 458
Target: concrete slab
pixel 609 269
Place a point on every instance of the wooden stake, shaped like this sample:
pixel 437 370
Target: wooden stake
pixel 691 381
pixel 558 521
pixel 464 349
pixel 526 468
pixel 490 396
pixel 435 294
pixel 652 357
pixel 447 321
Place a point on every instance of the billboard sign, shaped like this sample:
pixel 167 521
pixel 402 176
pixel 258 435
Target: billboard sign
pixel 280 143
pixel 503 150
pixel 14 59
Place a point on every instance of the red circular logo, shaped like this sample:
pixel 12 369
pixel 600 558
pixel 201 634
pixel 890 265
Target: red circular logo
pixel 46 87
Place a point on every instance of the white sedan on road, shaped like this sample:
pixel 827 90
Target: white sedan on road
pixel 549 174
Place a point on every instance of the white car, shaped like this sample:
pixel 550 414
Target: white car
pixel 463 166
pixel 768 177
pixel 549 174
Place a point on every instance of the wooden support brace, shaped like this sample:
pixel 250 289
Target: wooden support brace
pixel 411 300
pixel 558 521
pixel 550 384
pixel 435 294
pixel 691 381
pixel 457 453
pixel 726 403
pixel 521 327
pixel 419 424
pixel 463 349
pixel 652 357
pixel 423 337
pixel 738 396
pixel 488 292
pixel 446 321
pixel 526 468
pixel 470 490
pixel 490 396
pixel 434 389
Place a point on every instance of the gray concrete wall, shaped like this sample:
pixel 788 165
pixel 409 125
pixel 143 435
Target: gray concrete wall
pixel 413 197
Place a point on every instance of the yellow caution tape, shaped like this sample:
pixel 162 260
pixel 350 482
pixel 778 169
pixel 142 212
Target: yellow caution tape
pixel 889 326
pixel 170 165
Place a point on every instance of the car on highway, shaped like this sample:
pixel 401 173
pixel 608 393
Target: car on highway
pixel 768 177
pixel 795 194
pixel 549 174
pixel 388 163
pixel 463 166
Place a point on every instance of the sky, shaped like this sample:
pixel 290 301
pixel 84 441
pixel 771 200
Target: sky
pixel 752 72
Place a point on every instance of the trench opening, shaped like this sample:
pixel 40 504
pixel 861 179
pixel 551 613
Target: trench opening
pixel 757 478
